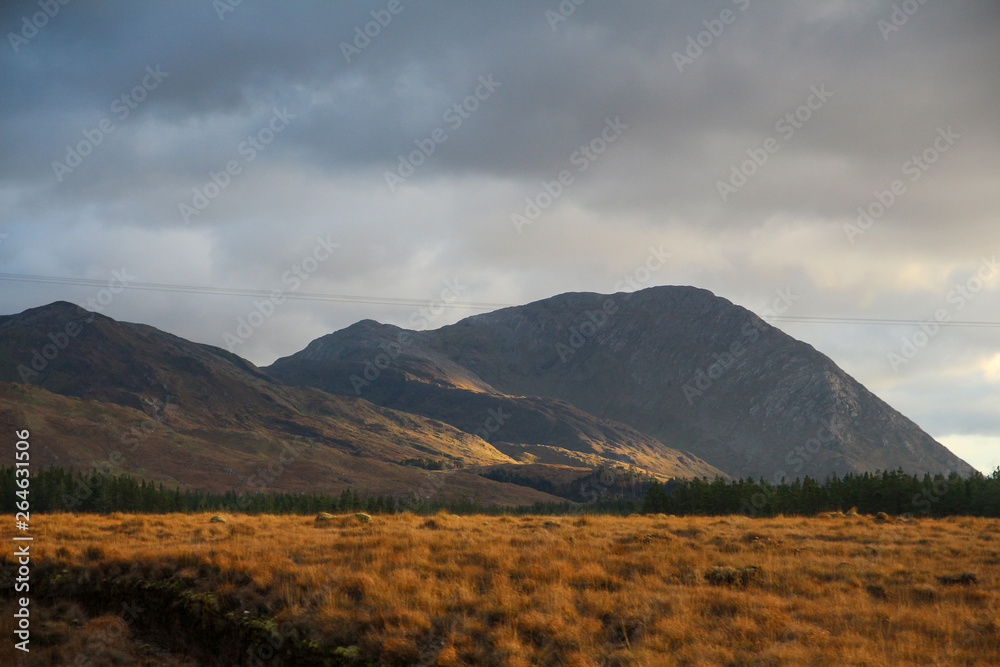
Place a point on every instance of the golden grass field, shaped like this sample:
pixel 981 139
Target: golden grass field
pixel 500 590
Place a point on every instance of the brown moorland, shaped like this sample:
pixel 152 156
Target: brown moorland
pixel 508 590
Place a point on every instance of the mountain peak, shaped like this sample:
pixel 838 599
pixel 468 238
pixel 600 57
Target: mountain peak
pixel 673 381
pixel 677 363
pixel 56 308
pixel 55 318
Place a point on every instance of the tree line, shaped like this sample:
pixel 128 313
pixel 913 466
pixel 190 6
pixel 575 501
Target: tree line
pixel 893 492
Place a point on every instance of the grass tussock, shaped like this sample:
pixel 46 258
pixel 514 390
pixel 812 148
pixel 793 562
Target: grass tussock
pixel 474 590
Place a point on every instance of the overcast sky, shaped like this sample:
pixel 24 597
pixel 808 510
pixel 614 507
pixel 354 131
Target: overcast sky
pixel 504 152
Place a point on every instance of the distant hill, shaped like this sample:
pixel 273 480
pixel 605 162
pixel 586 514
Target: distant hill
pixel 418 377
pixel 688 370
pixel 121 397
pixel 617 389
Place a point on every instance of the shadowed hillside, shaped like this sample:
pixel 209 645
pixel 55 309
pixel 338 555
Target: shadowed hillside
pixel 679 364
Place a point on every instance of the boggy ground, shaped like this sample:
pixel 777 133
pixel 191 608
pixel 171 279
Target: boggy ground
pixel 499 590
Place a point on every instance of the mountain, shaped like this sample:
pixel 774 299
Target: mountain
pixel 690 370
pixel 411 372
pixel 120 397
pixel 665 382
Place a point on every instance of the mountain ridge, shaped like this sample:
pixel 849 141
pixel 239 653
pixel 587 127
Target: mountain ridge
pixel 664 382
pixel 679 364
pixel 211 420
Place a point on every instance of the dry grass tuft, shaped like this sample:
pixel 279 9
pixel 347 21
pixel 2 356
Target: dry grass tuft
pixel 963 579
pixel 327 520
pixel 732 576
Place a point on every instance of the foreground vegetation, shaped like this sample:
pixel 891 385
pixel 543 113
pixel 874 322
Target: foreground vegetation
pixel 406 589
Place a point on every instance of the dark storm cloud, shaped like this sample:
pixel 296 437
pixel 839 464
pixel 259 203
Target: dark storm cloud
pixel 701 86
pixel 557 86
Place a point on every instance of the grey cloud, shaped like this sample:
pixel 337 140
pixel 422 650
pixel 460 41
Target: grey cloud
pixel 325 173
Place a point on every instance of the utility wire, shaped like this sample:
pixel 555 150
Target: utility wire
pixel 473 305
pixel 232 291
pixel 878 320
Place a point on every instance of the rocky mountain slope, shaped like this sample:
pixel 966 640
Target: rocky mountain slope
pixel 678 364
pixel 120 397
pixel 410 372
pixel 104 395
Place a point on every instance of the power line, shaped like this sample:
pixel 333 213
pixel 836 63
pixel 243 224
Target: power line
pixel 880 321
pixel 473 305
pixel 233 291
